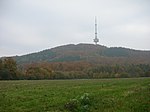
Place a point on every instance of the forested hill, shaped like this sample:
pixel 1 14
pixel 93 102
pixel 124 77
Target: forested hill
pixel 87 52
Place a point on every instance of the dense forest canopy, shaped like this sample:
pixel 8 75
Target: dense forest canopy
pixel 87 52
pixel 77 61
pixel 70 70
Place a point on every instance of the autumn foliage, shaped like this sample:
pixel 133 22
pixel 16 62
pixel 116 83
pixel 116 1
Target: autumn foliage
pixel 69 70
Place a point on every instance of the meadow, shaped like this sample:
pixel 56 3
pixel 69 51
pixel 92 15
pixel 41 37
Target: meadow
pixel 84 95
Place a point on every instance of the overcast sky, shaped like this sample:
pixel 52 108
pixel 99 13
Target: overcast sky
pixel 28 26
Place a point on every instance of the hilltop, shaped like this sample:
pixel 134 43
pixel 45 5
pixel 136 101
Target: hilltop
pixel 87 52
pixel 76 62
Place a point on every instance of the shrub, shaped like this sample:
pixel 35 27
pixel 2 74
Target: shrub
pixel 79 104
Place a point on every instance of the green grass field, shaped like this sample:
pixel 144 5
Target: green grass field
pixel 105 95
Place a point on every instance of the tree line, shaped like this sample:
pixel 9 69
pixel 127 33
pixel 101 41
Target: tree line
pixel 69 70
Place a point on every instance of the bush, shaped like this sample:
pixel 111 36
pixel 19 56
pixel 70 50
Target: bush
pixel 79 104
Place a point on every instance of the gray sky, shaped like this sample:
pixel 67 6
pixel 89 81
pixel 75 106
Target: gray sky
pixel 28 26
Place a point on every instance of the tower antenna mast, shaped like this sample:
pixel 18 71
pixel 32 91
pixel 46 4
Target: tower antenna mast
pixel 96 40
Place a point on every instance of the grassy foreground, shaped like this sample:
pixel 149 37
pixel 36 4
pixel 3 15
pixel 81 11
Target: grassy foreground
pixel 105 95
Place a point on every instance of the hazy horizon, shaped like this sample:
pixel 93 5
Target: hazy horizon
pixel 28 26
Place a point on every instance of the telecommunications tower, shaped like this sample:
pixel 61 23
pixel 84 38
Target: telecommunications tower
pixel 96 40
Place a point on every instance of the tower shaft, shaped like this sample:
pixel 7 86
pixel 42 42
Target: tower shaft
pixel 96 40
pixel 95 28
